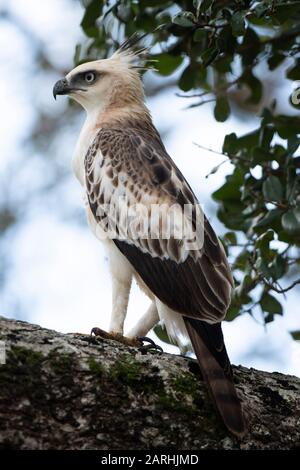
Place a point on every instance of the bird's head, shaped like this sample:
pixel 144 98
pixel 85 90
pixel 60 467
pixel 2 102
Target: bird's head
pixel 108 83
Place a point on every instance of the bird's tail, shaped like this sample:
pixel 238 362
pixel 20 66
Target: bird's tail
pixel 209 347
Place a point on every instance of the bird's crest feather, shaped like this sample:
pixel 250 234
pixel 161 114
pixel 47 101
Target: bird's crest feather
pixel 135 58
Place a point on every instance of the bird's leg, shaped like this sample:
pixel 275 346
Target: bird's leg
pixel 145 323
pixel 120 297
pixel 135 342
pixel 121 272
pixel 136 336
pixel 143 326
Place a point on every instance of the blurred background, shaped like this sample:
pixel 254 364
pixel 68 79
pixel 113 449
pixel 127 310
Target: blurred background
pixel 53 272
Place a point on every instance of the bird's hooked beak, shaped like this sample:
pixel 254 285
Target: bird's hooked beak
pixel 61 87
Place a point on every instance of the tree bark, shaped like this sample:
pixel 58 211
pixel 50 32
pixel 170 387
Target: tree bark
pixel 67 391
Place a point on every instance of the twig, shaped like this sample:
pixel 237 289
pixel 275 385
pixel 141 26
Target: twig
pixel 228 156
pixel 216 91
pixel 215 168
pixel 292 261
pixel 194 95
pixel 280 205
pixel 210 26
pixel 279 290
pixel 271 286
pixel 209 149
pixel 200 103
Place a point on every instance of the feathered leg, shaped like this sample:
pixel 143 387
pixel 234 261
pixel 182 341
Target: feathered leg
pixel 121 274
pixel 145 323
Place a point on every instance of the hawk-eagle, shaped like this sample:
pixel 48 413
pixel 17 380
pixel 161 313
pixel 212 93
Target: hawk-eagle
pixel 173 253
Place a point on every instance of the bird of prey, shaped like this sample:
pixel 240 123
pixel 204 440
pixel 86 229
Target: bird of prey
pixel 175 257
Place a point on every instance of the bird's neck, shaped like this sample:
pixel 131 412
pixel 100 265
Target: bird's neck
pixel 114 115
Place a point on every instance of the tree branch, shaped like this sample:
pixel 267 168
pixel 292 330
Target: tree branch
pixel 71 391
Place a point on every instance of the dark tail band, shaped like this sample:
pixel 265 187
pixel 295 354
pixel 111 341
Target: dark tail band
pixel 209 347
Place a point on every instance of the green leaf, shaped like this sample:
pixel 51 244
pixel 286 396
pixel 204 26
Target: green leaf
pixel 240 294
pixel 270 220
pixel 205 5
pixel 230 143
pixel 145 22
pixel 238 23
pixel 247 141
pixel 226 42
pixel 167 63
pixel 264 239
pixel 77 53
pixel 293 144
pixel 295 334
pixel 261 8
pixel 92 13
pixel 199 35
pixel 294 72
pixel 275 60
pixel 291 184
pixel 266 136
pixel 251 209
pixel 222 109
pixel 269 304
pixel 231 189
pixel 291 221
pixel 279 153
pixel 232 312
pixel 230 213
pixel 262 267
pixel 223 64
pixel 260 155
pixel 250 47
pixel 152 3
pixel 272 189
pixel 269 318
pixel 242 260
pixel 209 55
pixel 278 267
pixel 187 79
pixel 184 18
pixel 161 333
pixel 287 10
pixel 243 288
pixel 230 238
pixel 286 126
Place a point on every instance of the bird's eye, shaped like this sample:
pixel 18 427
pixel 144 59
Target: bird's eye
pixel 89 77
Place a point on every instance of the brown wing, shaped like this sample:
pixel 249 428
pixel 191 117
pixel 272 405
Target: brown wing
pixel 135 165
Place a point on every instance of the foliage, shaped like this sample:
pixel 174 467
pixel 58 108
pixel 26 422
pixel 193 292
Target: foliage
pixel 217 46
